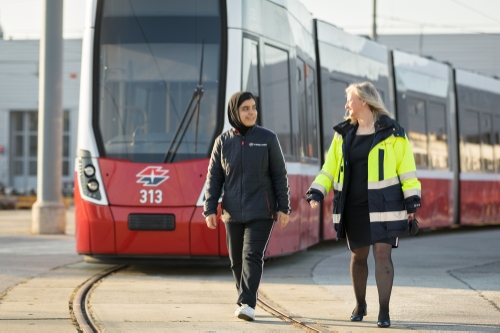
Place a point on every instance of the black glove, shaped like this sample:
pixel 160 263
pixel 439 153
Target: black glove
pixel 412 227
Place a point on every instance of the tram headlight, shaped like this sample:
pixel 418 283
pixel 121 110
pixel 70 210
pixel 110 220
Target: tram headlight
pixel 93 185
pixel 89 171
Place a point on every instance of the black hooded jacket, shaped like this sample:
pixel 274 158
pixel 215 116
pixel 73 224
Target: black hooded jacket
pixel 251 171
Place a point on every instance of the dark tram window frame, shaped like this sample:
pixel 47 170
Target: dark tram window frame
pixel 430 158
pixel 468 137
pixel 421 159
pixel 333 109
pixel 285 138
pixel 486 134
pixel 496 141
pixel 253 39
pixel 306 107
pixel 433 146
pixel 312 121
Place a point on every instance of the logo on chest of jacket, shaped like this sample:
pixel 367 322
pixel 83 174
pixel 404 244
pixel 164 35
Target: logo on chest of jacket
pixel 251 144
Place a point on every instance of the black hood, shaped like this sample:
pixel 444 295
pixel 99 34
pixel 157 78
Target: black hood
pixel 232 110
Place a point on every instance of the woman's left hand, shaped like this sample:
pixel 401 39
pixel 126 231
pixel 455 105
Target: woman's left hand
pixel 411 216
pixel 283 219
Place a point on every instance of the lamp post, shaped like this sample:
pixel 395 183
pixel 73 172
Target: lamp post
pixel 48 212
pixel 374 23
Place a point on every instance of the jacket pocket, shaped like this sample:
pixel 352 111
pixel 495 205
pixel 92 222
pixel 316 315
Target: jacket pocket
pixel 398 225
pixel 394 201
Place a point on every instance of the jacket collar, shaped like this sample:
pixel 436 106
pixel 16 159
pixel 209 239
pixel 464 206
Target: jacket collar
pixel 250 130
pixel 382 124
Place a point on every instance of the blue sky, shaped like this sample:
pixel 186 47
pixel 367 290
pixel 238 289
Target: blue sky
pixel 22 19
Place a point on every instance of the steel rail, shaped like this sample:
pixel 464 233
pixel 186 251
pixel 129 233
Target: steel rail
pixel 80 302
pixel 86 323
pixel 297 321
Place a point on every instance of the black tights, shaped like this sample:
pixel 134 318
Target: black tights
pixel 384 275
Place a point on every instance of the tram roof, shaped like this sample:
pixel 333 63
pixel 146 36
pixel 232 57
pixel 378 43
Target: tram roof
pixel 330 34
pixel 477 81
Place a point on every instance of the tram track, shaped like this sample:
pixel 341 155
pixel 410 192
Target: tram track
pixel 295 320
pixel 79 304
pixel 80 310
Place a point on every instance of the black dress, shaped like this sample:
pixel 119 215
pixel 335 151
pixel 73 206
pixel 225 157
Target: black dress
pixel 356 213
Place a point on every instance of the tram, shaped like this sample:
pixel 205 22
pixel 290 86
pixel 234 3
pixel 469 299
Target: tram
pixel 155 81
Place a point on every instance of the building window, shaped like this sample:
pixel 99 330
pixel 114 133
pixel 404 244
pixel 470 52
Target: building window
pixel 24 149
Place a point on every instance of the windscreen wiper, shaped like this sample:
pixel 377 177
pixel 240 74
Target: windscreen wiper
pixel 188 116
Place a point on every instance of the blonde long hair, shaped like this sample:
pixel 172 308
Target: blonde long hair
pixel 367 93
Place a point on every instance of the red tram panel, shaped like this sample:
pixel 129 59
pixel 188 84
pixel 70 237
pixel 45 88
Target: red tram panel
pixel 437 203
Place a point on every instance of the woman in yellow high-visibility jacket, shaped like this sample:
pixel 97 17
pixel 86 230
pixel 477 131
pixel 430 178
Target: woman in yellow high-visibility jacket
pixel 371 169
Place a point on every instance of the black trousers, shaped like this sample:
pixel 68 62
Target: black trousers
pixel 247 243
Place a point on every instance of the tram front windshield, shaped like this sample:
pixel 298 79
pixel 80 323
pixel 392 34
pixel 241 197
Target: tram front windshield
pixel 150 54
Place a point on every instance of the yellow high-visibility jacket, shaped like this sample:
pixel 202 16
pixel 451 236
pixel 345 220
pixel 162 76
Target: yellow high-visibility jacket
pixel 393 187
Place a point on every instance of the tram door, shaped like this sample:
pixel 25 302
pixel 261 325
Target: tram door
pixel 24 150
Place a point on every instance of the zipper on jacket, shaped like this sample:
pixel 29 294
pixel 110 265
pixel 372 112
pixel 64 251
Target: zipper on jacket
pixel 380 164
pixel 242 173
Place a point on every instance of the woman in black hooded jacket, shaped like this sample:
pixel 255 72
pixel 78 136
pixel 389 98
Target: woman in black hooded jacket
pixel 248 164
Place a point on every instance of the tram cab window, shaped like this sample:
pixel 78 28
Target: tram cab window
pixel 496 140
pixel 276 96
pixel 438 136
pixel 487 159
pixel 250 67
pixel 417 131
pixel 470 152
pixel 148 66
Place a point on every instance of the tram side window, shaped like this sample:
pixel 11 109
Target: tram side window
pixel 308 126
pixel 333 110
pixel 311 120
pixel 470 142
pixel 250 67
pixel 276 97
pixel 382 95
pixel 438 136
pixel 487 160
pixel 302 107
pixel 496 138
pixel 417 131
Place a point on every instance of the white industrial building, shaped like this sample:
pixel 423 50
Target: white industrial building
pixel 19 66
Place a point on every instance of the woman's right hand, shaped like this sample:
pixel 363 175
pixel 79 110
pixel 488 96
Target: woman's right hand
pixel 211 221
pixel 313 204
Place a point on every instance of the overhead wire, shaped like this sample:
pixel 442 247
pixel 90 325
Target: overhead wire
pixel 475 11
pixel 391 18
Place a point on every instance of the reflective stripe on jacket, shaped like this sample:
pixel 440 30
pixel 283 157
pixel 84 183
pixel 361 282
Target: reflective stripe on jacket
pixel 393 187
